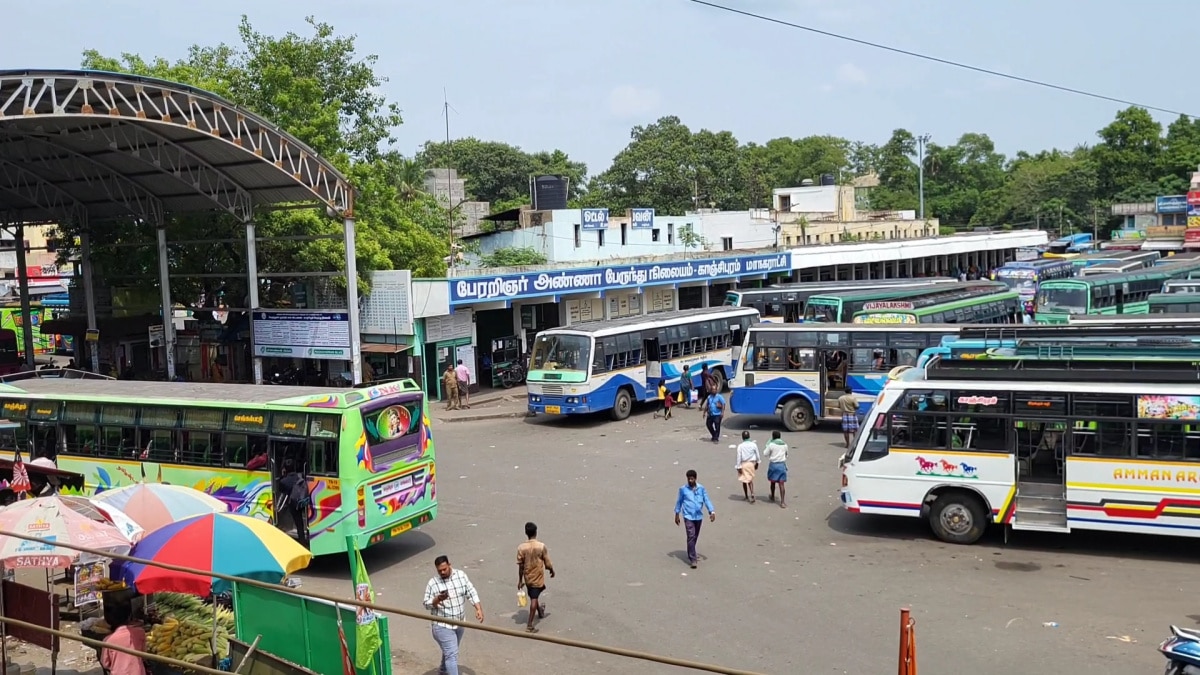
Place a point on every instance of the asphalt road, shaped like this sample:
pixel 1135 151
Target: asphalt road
pixel 807 589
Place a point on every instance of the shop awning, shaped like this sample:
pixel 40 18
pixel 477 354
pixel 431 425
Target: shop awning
pixel 1163 245
pixel 378 348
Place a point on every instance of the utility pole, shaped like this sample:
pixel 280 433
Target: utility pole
pixel 921 141
pixel 449 183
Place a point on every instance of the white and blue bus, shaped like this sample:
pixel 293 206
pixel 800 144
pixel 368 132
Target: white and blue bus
pixel 610 365
pixel 798 371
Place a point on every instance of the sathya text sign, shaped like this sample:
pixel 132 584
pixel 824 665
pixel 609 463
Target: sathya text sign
pixel 594 219
pixel 641 218
pixel 532 284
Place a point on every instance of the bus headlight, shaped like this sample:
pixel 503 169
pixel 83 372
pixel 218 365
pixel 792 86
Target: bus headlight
pixel 535 399
pixel 572 399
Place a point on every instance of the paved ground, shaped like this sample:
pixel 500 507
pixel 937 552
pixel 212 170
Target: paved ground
pixel 809 589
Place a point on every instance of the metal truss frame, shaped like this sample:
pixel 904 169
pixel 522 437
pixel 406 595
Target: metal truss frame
pixel 29 186
pixel 136 105
pixel 43 152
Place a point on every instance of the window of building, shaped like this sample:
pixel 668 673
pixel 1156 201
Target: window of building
pixel 670 233
pixel 578 236
pixel 599 237
pixel 624 233
pixel 654 234
pixel 726 243
pixel 789 240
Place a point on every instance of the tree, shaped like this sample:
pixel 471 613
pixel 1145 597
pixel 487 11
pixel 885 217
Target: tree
pixel 673 170
pixel 498 172
pixel 897 173
pixel 318 88
pixel 1128 158
pixel 513 257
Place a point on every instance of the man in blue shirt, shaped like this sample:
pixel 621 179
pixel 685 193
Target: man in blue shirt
pixel 714 409
pixel 690 503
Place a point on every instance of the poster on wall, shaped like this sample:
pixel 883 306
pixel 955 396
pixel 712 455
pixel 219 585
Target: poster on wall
pixel 304 335
pixel 466 354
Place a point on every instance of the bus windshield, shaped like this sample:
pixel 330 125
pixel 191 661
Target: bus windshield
pixel 1071 299
pixel 819 312
pixel 733 299
pixel 558 351
pixel 1018 280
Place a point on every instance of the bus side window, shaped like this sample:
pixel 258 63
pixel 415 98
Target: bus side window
pixel 322 458
pixel 801 359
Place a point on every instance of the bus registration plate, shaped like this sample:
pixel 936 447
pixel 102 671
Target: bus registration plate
pixel 553 410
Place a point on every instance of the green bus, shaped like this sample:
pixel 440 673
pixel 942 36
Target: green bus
pixel 1141 258
pixel 842 307
pixel 1175 303
pixel 367 453
pixel 1121 293
pixel 972 306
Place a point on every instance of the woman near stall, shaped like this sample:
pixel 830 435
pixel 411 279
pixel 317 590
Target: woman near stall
pixel 117 615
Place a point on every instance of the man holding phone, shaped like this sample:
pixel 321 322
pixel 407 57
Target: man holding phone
pixel 446 596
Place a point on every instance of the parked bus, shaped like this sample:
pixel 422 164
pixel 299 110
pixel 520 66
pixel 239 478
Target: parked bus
pixel 1025 277
pixel 368 453
pixel 1174 303
pixel 1118 267
pixel 609 365
pixel 1146 258
pixel 1069 246
pixel 1186 256
pixel 785 302
pixel 1181 286
pixel 966 305
pixel 841 307
pixel 799 371
pixel 1126 293
pixel 1033 444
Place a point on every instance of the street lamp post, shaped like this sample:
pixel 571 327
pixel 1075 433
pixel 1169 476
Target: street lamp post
pixel 921 141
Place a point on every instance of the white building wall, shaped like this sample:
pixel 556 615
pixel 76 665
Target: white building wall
pixel 747 229
pixel 557 238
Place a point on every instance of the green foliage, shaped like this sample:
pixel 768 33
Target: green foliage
pixel 513 257
pixel 318 88
pixel 500 173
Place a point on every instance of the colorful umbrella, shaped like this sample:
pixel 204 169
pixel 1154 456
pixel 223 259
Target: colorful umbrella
pixel 225 543
pixel 155 505
pixel 55 519
pixel 107 513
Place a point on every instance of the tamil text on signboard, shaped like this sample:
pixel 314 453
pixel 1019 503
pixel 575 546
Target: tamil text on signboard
pixel 533 284
pixel 594 219
pixel 641 218
pixel 1173 204
pixel 887 304
pixel 304 335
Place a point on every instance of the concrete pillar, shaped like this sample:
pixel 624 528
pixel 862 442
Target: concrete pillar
pixel 348 234
pixel 89 297
pixel 252 292
pixel 168 308
pixel 23 287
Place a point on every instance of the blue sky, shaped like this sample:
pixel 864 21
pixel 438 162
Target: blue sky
pixel 578 75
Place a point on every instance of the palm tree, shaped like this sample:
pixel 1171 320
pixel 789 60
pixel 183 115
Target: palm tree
pixel 410 179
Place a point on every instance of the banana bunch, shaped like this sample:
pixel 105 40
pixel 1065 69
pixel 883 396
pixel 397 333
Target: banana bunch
pixel 105 585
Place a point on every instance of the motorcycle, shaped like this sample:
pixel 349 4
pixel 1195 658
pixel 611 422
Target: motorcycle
pixel 513 375
pixel 1182 650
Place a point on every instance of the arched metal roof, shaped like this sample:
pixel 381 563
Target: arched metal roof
pixel 88 145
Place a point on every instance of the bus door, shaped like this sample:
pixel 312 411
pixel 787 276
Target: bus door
pixel 288 453
pixel 42 431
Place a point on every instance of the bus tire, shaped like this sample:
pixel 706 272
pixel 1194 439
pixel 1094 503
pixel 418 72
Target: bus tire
pixel 623 405
pixel 718 376
pixel 797 415
pixel 958 517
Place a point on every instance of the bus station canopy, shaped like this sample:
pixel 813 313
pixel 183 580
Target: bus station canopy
pixel 87 146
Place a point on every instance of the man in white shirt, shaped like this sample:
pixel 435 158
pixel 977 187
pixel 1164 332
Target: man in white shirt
pixel 446 596
pixel 746 464
pixel 464 383
pixel 775 454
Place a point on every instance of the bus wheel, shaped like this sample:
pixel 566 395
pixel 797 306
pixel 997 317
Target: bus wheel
pixel 797 415
pixel 718 375
pixel 622 406
pixel 958 518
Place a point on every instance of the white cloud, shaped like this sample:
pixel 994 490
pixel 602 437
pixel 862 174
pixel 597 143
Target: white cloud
pixel 851 74
pixel 827 88
pixel 628 100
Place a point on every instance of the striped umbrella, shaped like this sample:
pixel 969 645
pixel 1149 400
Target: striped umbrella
pixel 225 543
pixel 55 520
pixel 156 505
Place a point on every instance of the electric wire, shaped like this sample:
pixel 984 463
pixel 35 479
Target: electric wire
pixel 936 59
pixel 355 602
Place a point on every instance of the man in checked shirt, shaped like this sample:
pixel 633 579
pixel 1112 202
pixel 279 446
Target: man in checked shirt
pixel 446 596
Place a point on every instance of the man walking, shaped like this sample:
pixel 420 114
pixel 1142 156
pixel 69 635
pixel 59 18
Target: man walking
pixel 775 455
pixel 446 596
pixel 705 378
pixel 746 464
pixel 690 504
pixel 848 406
pixel 533 561
pixel 450 388
pixel 714 411
pixel 464 383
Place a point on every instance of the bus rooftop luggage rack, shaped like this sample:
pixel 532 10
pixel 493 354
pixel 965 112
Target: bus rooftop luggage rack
pixel 1065 370
pixel 1073 332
